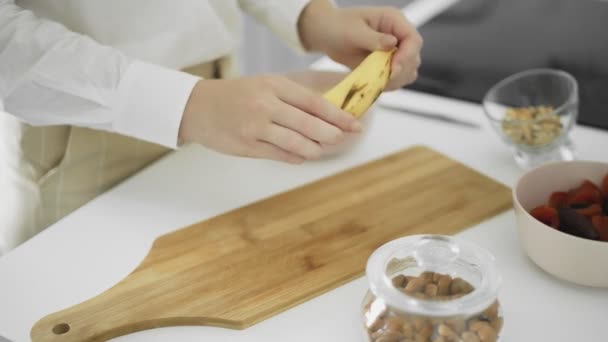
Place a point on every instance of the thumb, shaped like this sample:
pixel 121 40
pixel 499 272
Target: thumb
pixel 369 39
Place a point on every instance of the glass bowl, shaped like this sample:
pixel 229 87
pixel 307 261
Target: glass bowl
pixel 533 112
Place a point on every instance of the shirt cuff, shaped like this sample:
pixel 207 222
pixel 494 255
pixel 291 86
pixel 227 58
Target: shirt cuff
pixel 155 99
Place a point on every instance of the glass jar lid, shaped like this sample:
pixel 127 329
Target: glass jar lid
pixel 415 254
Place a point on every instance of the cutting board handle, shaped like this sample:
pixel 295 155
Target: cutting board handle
pixel 55 328
pixel 91 320
pixel 102 318
pixel 138 302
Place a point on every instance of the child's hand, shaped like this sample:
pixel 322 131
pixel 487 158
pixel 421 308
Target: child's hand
pixel 348 35
pixel 268 116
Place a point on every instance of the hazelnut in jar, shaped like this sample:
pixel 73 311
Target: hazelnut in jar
pixel 432 288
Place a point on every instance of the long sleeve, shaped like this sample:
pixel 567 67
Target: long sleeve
pixel 50 75
pixel 281 16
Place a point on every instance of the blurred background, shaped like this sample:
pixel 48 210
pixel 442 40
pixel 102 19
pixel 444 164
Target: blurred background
pixel 476 43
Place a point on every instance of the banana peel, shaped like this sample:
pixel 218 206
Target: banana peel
pixel 358 91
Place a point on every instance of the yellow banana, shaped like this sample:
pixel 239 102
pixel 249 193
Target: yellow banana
pixel 362 86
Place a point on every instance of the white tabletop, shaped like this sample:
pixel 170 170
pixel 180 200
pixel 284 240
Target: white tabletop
pixel 99 244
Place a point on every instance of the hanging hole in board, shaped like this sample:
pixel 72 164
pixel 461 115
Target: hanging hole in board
pixel 61 329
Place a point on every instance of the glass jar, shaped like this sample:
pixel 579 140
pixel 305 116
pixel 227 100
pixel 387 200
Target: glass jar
pixel 432 288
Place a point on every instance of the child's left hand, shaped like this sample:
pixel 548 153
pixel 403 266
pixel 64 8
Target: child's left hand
pixel 347 35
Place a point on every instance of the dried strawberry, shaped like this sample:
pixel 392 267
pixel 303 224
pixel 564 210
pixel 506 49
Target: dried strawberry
pixel 601 225
pixel 588 183
pixel 576 224
pixel 592 210
pixel 558 199
pixel 586 193
pixel 547 215
pixel 605 186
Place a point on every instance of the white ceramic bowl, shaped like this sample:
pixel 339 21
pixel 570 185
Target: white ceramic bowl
pixel 568 257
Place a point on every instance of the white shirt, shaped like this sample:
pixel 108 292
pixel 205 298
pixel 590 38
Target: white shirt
pixel 112 64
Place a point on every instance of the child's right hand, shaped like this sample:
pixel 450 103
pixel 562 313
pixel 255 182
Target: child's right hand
pixel 268 116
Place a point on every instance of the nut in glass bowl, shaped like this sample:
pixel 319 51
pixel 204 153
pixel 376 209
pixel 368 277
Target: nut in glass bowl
pixel 532 126
pixel 533 112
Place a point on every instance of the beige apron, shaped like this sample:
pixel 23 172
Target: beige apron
pixel 73 165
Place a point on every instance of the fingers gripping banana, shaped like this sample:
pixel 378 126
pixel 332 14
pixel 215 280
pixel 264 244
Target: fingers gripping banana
pixel 362 86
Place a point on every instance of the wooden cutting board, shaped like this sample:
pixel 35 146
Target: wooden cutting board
pixel 246 265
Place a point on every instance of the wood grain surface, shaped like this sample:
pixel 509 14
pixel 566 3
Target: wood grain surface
pixel 241 267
